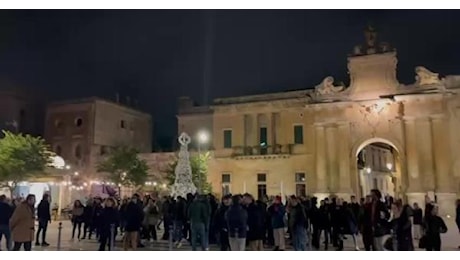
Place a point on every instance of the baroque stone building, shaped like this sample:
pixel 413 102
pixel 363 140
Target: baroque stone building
pixel 309 141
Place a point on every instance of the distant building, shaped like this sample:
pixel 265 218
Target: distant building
pixel 83 131
pixel 20 110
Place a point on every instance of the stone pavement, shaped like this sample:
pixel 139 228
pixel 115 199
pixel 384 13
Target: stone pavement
pixel 450 241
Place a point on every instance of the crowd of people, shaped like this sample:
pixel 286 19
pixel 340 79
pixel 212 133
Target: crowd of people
pixel 236 222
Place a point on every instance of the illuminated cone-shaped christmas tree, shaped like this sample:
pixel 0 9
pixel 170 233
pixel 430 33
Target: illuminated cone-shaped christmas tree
pixel 183 183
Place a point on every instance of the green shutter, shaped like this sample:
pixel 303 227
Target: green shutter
pixel 227 138
pixel 298 134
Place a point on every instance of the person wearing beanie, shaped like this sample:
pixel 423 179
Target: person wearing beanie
pixel 237 225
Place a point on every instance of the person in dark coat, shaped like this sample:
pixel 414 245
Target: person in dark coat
pixel 96 217
pixel 44 217
pixel 256 223
pixel 6 211
pixel 179 218
pixel 366 225
pixel 237 224
pixel 433 226
pixel 134 217
pixel 88 218
pixel 220 223
pixel 108 226
pixel 379 218
pixel 402 227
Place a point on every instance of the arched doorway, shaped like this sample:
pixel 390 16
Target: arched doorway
pixel 378 166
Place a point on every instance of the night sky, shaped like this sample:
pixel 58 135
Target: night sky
pixel 159 55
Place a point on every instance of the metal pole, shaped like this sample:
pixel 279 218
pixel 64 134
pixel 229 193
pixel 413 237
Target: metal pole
pixel 200 177
pixel 112 237
pixel 170 240
pixel 59 237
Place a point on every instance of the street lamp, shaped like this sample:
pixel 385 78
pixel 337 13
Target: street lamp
pixel 203 138
pixel 368 170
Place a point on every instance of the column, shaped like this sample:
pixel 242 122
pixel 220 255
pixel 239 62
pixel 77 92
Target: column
pixel 445 194
pixel 414 191
pixel 321 178
pixel 442 159
pixel 344 158
pixel 425 149
pixel 412 156
pixel 332 162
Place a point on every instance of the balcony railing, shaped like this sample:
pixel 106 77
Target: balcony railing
pixel 277 149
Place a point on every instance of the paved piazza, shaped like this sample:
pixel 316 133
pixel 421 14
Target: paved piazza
pixel 450 241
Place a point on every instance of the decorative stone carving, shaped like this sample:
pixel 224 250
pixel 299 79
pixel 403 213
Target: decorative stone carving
pixel 327 87
pixel 183 183
pixel 426 77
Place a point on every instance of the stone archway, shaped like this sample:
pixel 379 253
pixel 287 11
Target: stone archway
pixel 399 164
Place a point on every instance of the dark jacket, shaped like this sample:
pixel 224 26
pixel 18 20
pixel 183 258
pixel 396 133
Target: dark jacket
pixel 199 212
pixel 96 214
pixel 134 217
pixel 180 213
pixel 43 211
pixel 5 213
pixel 297 217
pixel 418 216
pixel 88 214
pixel 109 216
pixel 237 221
pixel 277 213
pixel 256 222
pixel 219 218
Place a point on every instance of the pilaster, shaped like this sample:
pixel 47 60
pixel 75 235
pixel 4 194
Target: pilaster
pixel 344 159
pixel 414 182
pixel 442 158
pixel 321 177
pixel 425 152
pixel 332 162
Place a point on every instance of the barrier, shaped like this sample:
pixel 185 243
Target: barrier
pixel 170 238
pixel 112 237
pixel 59 237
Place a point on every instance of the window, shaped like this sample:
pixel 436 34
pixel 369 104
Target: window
pixel 58 150
pixel 263 140
pixel 78 122
pixel 261 177
pixel 261 191
pixel 298 134
pixel 300 186
pixel 122 124
pixel 226 178
pixel 300 177
pixel 228 138
pixel 78 152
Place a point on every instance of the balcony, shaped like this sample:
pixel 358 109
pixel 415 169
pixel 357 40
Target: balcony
pixel 262 152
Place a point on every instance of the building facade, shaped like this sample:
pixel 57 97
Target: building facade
pixel 308 142
pixel 83 131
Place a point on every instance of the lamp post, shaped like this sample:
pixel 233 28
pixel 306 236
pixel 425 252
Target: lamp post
pixel 203 138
